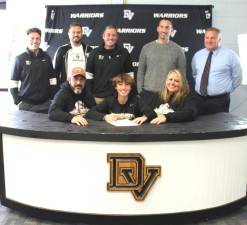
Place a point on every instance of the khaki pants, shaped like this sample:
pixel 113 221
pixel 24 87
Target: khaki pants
pixel 98 100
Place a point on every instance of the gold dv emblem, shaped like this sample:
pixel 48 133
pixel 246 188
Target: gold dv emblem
pixel 129 173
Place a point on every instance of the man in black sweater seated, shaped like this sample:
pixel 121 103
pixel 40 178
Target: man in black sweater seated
pixel 73 100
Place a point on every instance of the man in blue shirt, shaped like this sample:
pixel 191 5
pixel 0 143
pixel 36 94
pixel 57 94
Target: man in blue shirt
pixel 225 74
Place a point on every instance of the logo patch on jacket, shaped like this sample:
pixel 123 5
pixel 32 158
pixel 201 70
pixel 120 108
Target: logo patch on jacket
pixel 28 62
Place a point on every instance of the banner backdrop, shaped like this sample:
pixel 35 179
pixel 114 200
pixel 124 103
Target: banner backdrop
pixel 136 25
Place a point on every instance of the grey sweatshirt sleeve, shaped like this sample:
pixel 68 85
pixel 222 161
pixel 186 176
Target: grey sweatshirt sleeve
pixel 141 70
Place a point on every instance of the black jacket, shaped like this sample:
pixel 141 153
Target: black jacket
pixel 60 60
pixel 134 106
pixel 34 72
pixel 187 110
pixel 64 102
pixel 103 65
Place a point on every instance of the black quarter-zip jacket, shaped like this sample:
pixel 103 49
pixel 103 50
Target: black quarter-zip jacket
pixel 103 65
pixel 34 72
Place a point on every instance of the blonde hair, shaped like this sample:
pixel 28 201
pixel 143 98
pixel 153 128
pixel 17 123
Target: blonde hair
pixel 183 91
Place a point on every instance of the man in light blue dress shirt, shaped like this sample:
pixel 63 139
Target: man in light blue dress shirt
pixel 225 74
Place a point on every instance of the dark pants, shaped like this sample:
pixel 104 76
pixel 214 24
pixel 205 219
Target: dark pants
pixel 213 104
pixel 147 96
pixel 39 108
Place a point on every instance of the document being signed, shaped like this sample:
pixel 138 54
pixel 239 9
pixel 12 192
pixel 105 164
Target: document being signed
pixel 123 123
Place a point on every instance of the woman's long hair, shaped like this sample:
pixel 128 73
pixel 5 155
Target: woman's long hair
pixel 175 98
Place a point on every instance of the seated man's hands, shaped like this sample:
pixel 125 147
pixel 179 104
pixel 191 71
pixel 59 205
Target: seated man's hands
pixel 159 119
pixel 140 120
pixel 79 120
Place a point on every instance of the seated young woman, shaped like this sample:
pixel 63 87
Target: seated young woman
pixel 175 102
pixel 125 104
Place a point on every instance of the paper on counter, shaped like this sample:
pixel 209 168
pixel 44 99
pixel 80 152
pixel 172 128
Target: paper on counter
pixel 123 123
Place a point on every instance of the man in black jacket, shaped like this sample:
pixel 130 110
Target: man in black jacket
pixel 73 54
pixel 105 62
pixel 73 100
pixel 34 72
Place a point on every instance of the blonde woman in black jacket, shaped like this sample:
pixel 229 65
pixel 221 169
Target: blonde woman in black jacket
pixel 175 102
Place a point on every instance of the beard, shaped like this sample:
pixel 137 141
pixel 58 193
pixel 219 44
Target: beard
pixel 76 40
pixel 77 90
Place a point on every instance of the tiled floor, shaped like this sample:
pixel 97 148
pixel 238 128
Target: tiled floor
pixel 236 217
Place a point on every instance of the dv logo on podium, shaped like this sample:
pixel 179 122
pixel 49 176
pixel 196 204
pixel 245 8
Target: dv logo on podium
pixel 128 172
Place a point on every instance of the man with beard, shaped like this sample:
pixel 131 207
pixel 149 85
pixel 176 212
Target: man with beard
pixel 73 54
pixel 105 62
pixel 157 58
pixel 73 100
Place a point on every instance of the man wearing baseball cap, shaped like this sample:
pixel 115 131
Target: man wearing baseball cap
pixel 73 100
